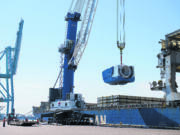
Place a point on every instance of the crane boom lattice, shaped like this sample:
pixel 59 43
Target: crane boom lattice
pixel 84 32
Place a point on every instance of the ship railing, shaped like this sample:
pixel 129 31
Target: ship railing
pixel 127 106
pixel 115 106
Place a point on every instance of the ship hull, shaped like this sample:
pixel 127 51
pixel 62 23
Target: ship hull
pixel 167 117
pixel 145 117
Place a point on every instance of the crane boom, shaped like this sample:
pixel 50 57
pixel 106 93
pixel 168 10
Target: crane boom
pixel 84 32
pixel 17 47
pixel 78 6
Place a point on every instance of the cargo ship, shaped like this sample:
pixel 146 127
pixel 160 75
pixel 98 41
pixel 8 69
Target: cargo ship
pixel 123 110
pixel 135 111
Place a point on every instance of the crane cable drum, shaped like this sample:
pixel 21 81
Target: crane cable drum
pixel 121 35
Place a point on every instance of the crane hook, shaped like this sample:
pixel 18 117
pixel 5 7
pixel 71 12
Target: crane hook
pixel 121 46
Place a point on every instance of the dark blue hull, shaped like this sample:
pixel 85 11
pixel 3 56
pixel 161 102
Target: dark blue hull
pixel 146 117
pixel 166 117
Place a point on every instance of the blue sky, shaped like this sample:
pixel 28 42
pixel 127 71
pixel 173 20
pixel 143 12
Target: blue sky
pixel 147 21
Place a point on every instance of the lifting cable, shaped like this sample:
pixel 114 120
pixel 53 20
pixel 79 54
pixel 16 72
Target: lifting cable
pixel 121 26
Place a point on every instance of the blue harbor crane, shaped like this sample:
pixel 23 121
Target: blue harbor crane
pixel 11 56
pixel 63 101
pixel 75 43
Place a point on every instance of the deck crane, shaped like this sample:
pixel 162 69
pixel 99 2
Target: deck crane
pixel 169 65
pixel 121 74
pixel 63 102
pixel 11 57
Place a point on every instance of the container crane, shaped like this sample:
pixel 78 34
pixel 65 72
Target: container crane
pixel 11 55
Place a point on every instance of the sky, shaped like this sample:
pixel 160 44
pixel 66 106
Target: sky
pixel 147 21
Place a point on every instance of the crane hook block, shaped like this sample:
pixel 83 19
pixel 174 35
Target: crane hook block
pixel 119 75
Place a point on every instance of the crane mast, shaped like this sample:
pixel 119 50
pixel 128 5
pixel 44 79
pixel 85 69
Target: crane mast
pixel 74 44
pixel 68 78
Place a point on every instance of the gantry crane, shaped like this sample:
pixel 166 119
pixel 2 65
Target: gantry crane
pixel 11 56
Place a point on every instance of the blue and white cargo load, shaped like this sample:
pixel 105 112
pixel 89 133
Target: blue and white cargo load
pixel 120 74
